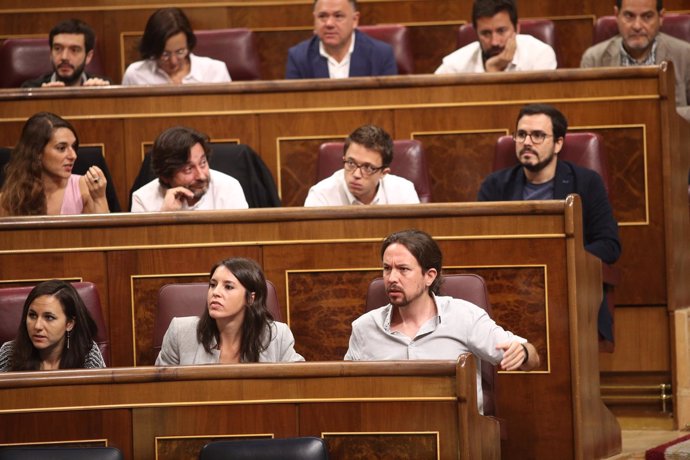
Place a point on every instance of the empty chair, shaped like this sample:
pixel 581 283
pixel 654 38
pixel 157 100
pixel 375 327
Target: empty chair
pixel 676 25
pixel 22 59
pixel 469 287
pixel 87 156
pixel 409 161
pixel 236 160
pixel 236 47
pixel 306 448
pixel 398 37
pixel 60 453
pixel 189 299
pixel 12 300
pixel 542 29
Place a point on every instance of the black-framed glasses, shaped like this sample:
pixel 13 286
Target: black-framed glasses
pixel 366 168
pixel 537 136
pixel 179 54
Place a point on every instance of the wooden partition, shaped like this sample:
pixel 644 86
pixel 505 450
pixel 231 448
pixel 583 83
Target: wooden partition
pixel 416 410
pixel 542 283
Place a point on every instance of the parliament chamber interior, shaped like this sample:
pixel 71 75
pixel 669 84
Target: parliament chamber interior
pixel 320 261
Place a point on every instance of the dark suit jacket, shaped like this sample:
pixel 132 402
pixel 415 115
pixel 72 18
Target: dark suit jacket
pixel 38 82
pixel 599 226
pixel 369 58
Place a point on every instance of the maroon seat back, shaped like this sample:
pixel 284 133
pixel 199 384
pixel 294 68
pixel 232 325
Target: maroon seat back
pixel 23 59
pixel 469 287
pixel 583 149
pixel 409 161
pixel 676 25
pixel 236 47
pixel 398 37
pixel 12 302
pixel 541 29
pixel 189 299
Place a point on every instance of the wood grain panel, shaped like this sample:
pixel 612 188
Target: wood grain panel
pixel 403 446
pixel 188 447
pixel 73 427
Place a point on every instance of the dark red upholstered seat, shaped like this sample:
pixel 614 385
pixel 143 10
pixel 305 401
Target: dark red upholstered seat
pixel 398 37
pixel 676 25
pixel 409 161
pixel 469 287
pixel 542 29
pixel 23 59
pixel 12 301
pixel 586 150
pixel 189 299
pixel 236 47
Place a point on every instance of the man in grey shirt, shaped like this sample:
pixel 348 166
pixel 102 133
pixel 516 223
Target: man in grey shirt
pixel 420 324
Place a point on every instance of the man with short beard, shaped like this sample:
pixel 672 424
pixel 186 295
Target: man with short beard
pixel 540 175
pixel 71 49
pixel 420 323
pixel 499 47
pixel 185 182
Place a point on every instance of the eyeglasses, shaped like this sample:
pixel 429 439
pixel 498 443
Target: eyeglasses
pixel 179 54
pixel 537 136
pixel 366 168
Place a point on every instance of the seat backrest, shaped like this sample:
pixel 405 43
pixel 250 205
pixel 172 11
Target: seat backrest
pixel 12 300
pixel 60 453
pixel 305 448
pixel 541 29
pixel 236 160
pixel 189 299
pixel 87 156
pixel 676 25
pixel 236 47
pixel 466 286
pixel 409 161
pixel 398 37
pixel 582 148
pixel 23 59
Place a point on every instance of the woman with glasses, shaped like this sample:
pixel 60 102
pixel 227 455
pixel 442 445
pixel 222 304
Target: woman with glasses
pixel 167 57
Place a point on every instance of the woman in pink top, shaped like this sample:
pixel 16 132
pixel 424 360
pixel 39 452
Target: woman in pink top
pixel 39 179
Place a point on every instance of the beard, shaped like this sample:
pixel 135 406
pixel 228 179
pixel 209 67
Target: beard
pixel 73 78
pixel 491 52
pixel 199 188
pixel 539 165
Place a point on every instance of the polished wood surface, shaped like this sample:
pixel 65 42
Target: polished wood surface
pixel 279 25
pixel 321 261
pixel 422 410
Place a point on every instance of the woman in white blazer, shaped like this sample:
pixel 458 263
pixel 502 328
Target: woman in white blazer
pixel 236 326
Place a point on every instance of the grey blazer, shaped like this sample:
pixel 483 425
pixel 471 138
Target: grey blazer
pixel 608 54
pixel 180 345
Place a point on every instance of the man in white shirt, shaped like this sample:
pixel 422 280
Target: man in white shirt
pixel 499 48
pixel 184 180
pixel 365 177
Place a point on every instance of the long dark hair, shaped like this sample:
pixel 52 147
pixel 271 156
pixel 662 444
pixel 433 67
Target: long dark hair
pixel 26 357
pixel 23 193
pixel 257 319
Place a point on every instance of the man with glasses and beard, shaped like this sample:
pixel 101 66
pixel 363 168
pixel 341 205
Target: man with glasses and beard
pixel 499 47
pixel 540 175
pixel 365 178
pixel 184 180
pixel 71 49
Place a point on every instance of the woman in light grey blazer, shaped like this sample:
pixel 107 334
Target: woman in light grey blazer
pixel 236 326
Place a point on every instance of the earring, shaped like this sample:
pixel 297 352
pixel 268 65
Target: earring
pixel 68 334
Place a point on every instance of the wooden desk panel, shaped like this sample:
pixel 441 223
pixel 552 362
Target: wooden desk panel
pixel 166 413
pixel 319 259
